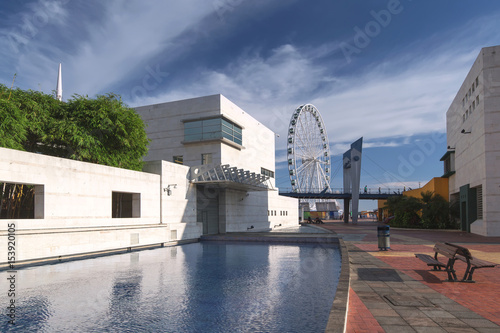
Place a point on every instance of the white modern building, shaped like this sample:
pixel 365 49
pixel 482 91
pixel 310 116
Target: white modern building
pixel 472 161
pixel 231 158
pixel 210 170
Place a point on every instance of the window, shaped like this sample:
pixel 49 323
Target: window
pixel 206 158
pixel 179 159
pixel 477 81
pixel 449 163
pixel 266 172
pixel 125 205
pixel 231 131
pixel 479 194
pixel 212 129
pixel 477 100
pixel 21 201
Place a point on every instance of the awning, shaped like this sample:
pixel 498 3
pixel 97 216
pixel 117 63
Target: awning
pixel 225 176
pixel 448 153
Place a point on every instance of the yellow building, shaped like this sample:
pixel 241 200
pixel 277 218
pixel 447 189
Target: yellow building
pixel 436 185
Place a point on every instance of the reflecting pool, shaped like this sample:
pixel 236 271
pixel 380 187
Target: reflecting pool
pixel 199 287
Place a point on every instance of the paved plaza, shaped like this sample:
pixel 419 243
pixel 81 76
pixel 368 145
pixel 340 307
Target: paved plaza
pixel 392 291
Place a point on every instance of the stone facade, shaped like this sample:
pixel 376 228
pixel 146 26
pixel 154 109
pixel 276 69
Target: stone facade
pixel 472 162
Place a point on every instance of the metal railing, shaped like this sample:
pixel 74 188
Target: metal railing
pixel 340 190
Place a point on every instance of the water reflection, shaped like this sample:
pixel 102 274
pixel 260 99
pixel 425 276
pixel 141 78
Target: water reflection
pixel 202 287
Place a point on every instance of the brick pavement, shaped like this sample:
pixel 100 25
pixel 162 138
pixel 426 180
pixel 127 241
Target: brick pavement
pixel 392 291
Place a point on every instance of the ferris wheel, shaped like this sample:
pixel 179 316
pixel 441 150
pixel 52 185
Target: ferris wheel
pixel 308 151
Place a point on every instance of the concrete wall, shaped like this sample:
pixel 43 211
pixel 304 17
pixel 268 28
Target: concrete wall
pixel 258 141
pixel 78 194
pixel 178 199
pixel 262 210
pixel 76 207
pixel 477 154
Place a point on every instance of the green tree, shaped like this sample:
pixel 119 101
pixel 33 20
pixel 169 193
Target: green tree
pixel 435 211
pixel 13 125
pixel 102 130
pixel 405 210
pixel 431 211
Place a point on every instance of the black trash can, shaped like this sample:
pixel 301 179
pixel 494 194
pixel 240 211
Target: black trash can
pixel 384 239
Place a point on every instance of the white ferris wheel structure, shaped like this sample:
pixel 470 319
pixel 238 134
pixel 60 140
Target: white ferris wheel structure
pixel 308 152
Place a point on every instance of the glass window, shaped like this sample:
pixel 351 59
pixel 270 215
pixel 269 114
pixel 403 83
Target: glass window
pixel 17 201
pixel 179 159
pixel 193 130
pixel 210 129
pixel 125 205
pixel 194 137
pixel 266 172
pixel 192 124
pixel 211 135
pixel 206 158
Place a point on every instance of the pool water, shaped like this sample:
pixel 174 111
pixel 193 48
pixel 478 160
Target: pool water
pixel 199 287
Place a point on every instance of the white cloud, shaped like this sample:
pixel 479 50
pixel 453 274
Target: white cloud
pixel 129 34
pixel 405 95
pixel 268 88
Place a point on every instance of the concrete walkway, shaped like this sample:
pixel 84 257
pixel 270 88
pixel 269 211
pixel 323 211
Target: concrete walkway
pixel 392 291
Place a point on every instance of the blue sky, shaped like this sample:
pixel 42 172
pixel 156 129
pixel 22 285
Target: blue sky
pixel 386 70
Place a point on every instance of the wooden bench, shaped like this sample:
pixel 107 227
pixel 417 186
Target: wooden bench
pixel 464 255
pixel 445 250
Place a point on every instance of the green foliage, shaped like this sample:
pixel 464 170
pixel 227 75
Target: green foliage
pixel 435 212
pixel 101 130
pixel 13 125
pixel 432 211
pixel 405 210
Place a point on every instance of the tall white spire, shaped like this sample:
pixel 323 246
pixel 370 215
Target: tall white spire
pixel 59 85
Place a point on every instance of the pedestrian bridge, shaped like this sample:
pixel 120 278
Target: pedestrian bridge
pixel 369 194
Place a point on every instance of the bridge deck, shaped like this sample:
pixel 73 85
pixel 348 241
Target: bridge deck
pixel 362 196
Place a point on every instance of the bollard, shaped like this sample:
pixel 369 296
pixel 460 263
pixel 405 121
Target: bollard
pixel 384 241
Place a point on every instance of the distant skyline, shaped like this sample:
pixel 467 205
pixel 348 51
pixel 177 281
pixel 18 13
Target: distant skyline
pixel 383 70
